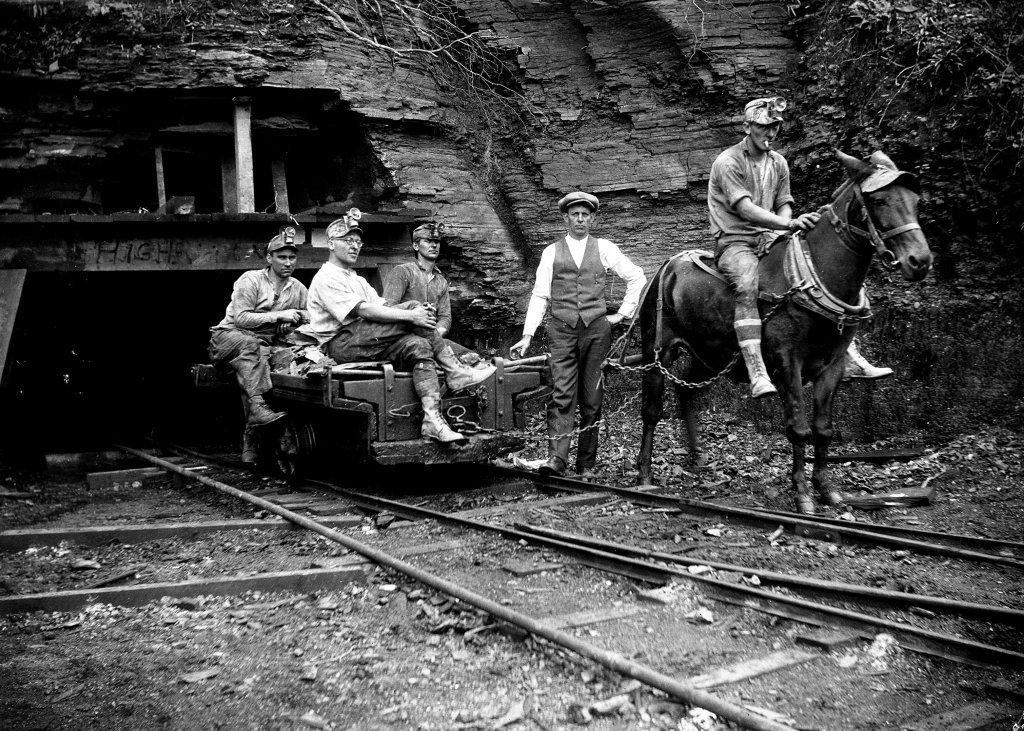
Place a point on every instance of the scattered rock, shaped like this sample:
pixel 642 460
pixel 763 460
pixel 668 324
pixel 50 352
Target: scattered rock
pixel 199 676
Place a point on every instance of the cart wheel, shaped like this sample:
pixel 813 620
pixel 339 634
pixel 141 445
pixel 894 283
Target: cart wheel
pixel 293 448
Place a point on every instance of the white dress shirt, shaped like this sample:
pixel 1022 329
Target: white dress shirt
pixel 611 258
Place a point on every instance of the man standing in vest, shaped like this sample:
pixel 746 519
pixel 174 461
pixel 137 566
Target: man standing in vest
pixel 571 278
pixel 749 201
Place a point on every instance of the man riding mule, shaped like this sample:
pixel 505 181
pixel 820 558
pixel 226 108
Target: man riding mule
pixel 748 200
pixel 811 304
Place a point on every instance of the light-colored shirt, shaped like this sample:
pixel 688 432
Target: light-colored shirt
pixel 737 174
pixel 255 302
pixel 410 281
pixel 333 295
pixel 611 258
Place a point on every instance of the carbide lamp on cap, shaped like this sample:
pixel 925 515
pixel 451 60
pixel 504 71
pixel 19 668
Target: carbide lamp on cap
pixel 432 231
pixel 766 110
pixel 285 239
pixel 345 225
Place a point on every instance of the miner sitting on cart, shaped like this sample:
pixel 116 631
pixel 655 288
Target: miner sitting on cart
pixel 266 304
pixel 353 323
pixel 421 281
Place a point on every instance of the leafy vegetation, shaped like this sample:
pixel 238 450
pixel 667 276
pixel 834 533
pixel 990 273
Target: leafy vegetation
pixel 939 86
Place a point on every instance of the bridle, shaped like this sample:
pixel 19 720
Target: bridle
pixel 850 235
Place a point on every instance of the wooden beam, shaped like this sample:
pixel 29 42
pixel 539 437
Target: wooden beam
pixel 589 616
pixel 751 668
pixel 12 282
pixel 277 169
pixel 129 596
pixel 228 185
pixel 161 184
pixel 81 461
pixel 19 539
pixel 983 714
pixel 244 175
pixel 122 478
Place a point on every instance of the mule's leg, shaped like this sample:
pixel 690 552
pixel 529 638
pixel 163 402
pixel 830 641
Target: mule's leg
pixel 798 433
pixel 686 399
pixel 821 426
pixel 652 408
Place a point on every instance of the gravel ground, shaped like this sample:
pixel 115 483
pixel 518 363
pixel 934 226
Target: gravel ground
pixel 389 653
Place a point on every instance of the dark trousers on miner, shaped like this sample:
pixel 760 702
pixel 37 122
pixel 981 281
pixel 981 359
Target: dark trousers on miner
pixel 577 356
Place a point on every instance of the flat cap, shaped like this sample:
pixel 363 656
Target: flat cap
pixel 285 239
pixel 432 230
pixel 345 225
pixel 578 196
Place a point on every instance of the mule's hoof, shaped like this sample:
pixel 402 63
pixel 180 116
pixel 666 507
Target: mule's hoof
pixel 805 504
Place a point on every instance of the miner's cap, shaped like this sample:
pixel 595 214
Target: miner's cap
pixel 433 231
pixel 285 239
pixel 345 225
pixel 578 197
pixel 764 110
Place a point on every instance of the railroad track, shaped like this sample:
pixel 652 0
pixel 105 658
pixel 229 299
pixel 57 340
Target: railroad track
pixel 808 600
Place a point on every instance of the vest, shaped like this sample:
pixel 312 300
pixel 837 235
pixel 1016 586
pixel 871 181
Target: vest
pixel 577 293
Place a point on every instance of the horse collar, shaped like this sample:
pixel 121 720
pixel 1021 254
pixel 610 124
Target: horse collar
pixel 810 292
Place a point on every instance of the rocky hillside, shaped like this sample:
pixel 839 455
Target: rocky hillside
pixel 486 111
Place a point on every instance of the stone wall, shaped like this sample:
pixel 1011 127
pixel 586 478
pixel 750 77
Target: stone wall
pixel 630 100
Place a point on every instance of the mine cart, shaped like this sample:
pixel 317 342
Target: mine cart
pixel 369 413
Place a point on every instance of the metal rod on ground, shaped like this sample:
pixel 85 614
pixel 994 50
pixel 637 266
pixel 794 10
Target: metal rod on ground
pixel 988 611
pixel 761 517
pixel 905 530
pixel 610 660
pixel 967 649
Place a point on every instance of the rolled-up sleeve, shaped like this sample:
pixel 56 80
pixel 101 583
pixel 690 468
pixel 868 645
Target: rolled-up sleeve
pixel 340 299
pixel 728 172
pixel 613 258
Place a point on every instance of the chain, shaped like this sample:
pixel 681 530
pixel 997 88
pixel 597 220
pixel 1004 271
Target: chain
pixel 656 363
pixel 626 404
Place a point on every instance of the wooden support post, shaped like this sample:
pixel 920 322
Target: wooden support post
pixel 228 186
pixel 243 156
pixel 12 281
pixel 280 186
pixel 161 184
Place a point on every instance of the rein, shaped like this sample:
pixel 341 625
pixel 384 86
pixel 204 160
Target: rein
pixel 851 235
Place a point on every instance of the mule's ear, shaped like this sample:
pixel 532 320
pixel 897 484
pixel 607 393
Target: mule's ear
pixel 880 158
pixel 853 165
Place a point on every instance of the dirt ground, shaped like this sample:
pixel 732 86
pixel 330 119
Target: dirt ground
pixel 386 652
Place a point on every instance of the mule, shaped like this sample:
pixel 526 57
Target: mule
pixel 811 303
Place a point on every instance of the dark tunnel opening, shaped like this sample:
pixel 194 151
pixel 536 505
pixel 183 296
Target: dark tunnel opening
pixel 104 357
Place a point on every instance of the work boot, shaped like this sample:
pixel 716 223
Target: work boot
pixel 249 452
pixel 554 466
pixel 760 384
pixel 260 414
pixel 459 376
pixel 434 426
pixel 857 366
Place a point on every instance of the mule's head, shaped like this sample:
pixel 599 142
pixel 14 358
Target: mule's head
pixel 890 198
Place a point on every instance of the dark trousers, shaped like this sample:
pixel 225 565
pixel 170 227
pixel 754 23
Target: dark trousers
pixel 247 356
pixel 397 342
pixel 577 354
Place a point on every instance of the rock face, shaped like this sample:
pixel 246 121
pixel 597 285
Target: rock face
pixel 630 100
